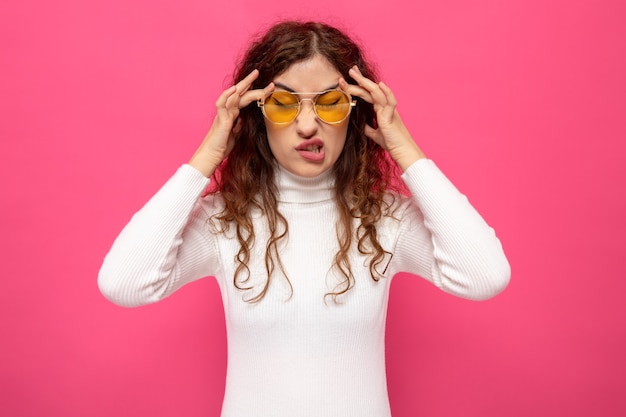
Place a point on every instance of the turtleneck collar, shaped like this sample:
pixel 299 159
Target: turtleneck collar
pixel 296 189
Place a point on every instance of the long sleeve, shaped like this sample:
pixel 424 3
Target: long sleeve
pixel 445 240
pixel 164 246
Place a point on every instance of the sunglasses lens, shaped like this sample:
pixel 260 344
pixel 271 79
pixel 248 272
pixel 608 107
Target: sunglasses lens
pixel 281 107
pixel 332 106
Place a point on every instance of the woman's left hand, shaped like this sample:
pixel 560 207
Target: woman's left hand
pixel 391 133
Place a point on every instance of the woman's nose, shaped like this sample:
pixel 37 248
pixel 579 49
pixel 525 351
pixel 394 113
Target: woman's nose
pixel 306 121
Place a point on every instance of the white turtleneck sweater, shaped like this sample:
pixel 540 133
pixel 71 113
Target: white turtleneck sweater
pixel 304 355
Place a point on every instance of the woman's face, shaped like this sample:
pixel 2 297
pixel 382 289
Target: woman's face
pixel 307 147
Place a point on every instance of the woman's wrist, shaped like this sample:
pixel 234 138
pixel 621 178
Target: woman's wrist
pixel 407 156
pixel 203 164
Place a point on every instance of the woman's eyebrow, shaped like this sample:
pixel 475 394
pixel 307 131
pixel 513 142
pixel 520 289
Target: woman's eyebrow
pixel 291 90
pixel 284 87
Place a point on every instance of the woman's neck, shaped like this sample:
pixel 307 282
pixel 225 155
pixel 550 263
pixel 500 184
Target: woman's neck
pixel 296 189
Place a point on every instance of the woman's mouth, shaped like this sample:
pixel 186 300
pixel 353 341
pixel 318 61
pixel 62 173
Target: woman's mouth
pixel 311 150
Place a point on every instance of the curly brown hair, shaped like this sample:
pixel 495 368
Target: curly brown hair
pixel 363 173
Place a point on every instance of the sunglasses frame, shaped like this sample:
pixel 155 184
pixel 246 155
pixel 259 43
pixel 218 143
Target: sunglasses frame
pixel 261 104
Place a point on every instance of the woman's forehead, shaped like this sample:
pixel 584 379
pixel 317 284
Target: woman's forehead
pixel 314 74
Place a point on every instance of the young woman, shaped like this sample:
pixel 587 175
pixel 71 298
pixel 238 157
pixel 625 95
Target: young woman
pixel 304 226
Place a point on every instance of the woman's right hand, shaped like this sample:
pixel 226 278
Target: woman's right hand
pixel 219 141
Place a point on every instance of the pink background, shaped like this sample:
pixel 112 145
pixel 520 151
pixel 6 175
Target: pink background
pixel 522 103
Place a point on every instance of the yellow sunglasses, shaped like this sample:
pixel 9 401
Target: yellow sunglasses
pixel 282 107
